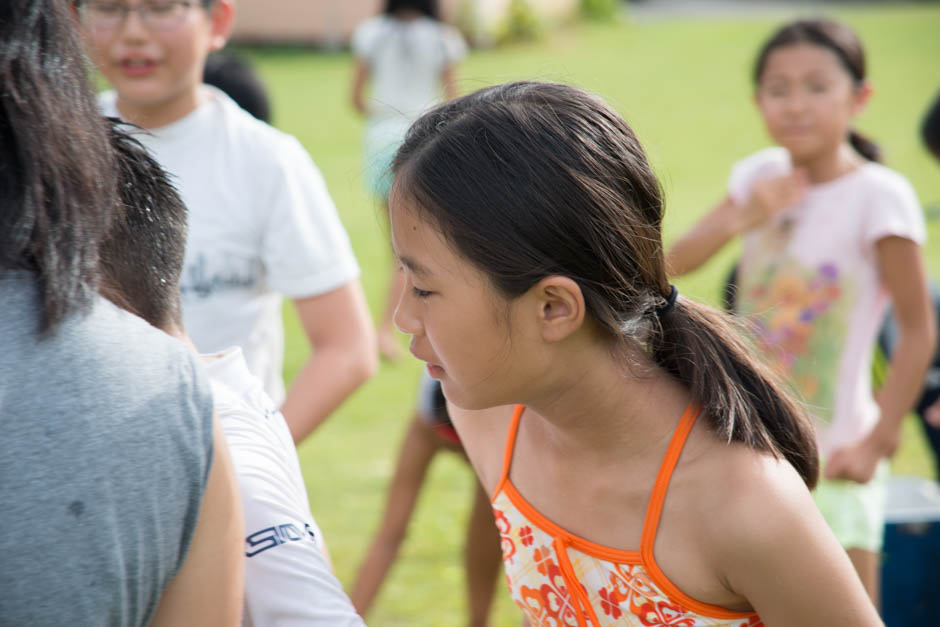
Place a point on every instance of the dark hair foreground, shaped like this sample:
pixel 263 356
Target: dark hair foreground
pixel 56 188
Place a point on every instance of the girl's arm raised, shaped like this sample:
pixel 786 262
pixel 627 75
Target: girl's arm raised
pixel 775 550
pixel 729 219
pixel 704 240
pixel 902 271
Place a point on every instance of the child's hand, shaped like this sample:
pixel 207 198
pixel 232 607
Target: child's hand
pixel 770 196
pixel 932 414
pixel 859 462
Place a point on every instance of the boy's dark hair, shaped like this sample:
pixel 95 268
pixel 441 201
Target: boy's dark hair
pixel 528 180
pixel 142 257
pixel 838 39
pixel 930 129
pixel 427 7
pixel 237 78
pixel 55 205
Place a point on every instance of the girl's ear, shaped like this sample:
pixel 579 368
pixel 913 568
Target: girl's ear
pixel 222 18
pixel 560 307
pixel 862 94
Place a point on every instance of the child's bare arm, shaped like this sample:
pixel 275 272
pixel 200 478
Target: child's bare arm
pixel 902 271
pixel 449 80
pixel 777 552
pixel 342 336
pixel 704 240
pixel 360 78
pixel 209 588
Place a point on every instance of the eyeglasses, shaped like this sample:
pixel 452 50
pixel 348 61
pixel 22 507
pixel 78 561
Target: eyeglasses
pixel 163 16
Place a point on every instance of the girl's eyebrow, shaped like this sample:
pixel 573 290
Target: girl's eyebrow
pixel 414 266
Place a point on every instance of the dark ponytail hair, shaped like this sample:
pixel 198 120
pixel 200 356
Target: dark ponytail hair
pixel 838 39
pixel 56 173
pixel 528 180
pixel 425 7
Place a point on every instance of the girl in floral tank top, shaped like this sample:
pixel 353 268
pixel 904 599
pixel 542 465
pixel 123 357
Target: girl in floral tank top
pixel 658 475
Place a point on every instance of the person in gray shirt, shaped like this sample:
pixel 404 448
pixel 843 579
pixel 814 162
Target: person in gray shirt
pixel 118 504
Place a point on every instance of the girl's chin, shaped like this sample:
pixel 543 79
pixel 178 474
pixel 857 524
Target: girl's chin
pixel 800 150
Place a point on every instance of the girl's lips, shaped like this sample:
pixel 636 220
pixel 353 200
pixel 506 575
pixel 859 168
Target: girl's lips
pixel 136 68
pixel 434 370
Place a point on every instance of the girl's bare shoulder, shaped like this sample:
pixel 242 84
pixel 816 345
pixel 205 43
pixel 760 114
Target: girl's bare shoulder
pixel 753 498
pixel 744 478
pixel 765 540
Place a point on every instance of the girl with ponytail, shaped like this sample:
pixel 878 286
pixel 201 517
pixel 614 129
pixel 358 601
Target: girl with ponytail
pixel 643 467
pixel 830 237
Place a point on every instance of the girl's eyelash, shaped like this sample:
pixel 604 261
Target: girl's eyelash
pixel 421 293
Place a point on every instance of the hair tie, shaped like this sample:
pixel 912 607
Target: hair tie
pixel 670 302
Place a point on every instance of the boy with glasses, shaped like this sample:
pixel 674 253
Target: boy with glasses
pixel 262 223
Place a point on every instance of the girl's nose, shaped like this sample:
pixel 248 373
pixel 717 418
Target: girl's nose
pixel 406 317
pixel 133 25
pixel 796 101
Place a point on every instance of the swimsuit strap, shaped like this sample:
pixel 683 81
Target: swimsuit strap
pixel 510 446
pixel 655 508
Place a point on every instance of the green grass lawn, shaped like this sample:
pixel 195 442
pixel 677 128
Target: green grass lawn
pixel 684 86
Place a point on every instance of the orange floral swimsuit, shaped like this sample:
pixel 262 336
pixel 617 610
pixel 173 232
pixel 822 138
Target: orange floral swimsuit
pixel 559 579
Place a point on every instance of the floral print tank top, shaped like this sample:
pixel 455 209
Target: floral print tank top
pixel 561 580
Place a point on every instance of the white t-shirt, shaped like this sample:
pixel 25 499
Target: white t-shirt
pixel 809 282
pixel 406 60
pixel 261 226
pixel 288 580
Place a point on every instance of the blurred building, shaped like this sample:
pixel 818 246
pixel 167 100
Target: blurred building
pixel 329 23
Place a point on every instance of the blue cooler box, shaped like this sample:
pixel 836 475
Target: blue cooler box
pixel 910 572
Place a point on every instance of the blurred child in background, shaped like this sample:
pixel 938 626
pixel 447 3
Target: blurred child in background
pixel 262 224
pixel 406 62
pixel 430 432
pixel 236 76
pixel 830 237
pixel 406 59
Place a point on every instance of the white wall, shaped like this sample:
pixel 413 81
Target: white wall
pixel 331 22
